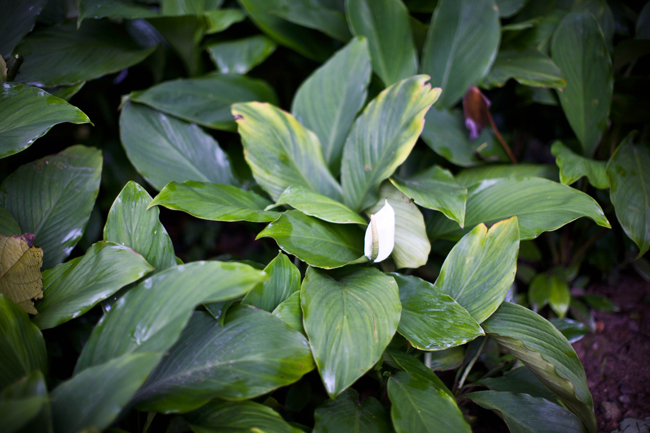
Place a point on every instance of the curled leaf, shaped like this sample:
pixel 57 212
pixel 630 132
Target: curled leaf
pixel 20 270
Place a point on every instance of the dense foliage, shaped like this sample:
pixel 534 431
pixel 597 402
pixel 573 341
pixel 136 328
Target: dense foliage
pixel 401 189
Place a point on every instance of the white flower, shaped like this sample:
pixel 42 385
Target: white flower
pixel 380 234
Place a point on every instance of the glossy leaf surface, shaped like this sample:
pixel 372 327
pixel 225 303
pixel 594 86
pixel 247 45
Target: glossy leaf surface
pixel 62 190
pixel 25 406
pixel 539 204
pixel 290 313
pixel 382 137
pixel 324 15
pixel 348 414
pixel 205 363
pixel 519 380
pixel 241 55
pixel 97 9
pixel 74 287
pixel 215 202
pixel 350 317
pixel 8 224
pixel 164 149
pixel 319 206
pixel 27 113
pixel 431 320
pixel 17 20
pixel 470 176
pixel 529 67
pixel 284 281
pixel 328 101
pixel 573 167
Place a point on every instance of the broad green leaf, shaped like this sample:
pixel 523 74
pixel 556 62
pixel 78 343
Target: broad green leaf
pixel 63 54
pixel 427 313
pixel 62 190
pixel 204 363
pixel 205 100
pixel 579 50
pixel 629 178
pixel 132 224
pixel 188 7
pixel 412 365
pixel 546 352
pixel 508 8
pixel 435 189
pixel 551 289
pixel 237 417
pixel 529 67
pixel 8 224
pixel 526 414
pixel 20 270
pixel 573 167
pixel 571 329
pixel 350 317
pixel 318 243
pixel 284 281
pixel 419 406
pixel 445 133
pixel 386 25
pixel 73 288
pixel 131 9
pixel 519 380
pixel 17 19
pixel 540 205
pixel 281 152
pixel 241 55
pixel 319 206
pixel 97 395
pixel 151 316
pixel 290 313
pixel 348 414
pixel 412 246
pixel 602 303
pixel 164 149
pixel 447 359
pixel 66 92
pixel 27 113
pixel 480 269
pixel 461 46
pixel 307 42
pixel 25 406
pixel 328 101
pixel 215 202
pixel 22 347
pixel 220 20
pixel 184 34
pixel 324 15
pixel 470 176
pixel 369 156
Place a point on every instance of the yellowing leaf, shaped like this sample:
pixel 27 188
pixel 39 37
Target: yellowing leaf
pixel 20 270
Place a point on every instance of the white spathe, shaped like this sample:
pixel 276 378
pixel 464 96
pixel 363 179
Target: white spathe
pixel 380 234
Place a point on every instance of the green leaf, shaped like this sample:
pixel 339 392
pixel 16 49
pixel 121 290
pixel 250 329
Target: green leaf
pixel 508 8
pixel 205 100
pixel 540 205
pixel 412 365
pixel 551 289
pixel 526 414
pixel 470 176
pixel 480 269
pixel 241 55
pixel 63 54
pixel 412 246
pixel 8 225
pixel 97 395
pixel 461 46
pixel 370 157
pixel 573 167
pixel 435 189
pixel 420 406
pixel 579 50
pixel 328 101
pixel 316 242
pixel 348 414
pixel 601 303
pixel 164 149
pixel 323 15
pixel 281 152
pixel 220 20
pixel 63 188
pixel 237 417
pixel 72 288
pixel 189 7
pixel 132 224
pixel 204 363
pixel 66 92
pixel 529 67
pixel 307 42
pixel 519 380
pixel 284 281
pixel 22 347
pixel 572 330
pixel 350 317
pixel 25 406
pixel 131 9
pixel 386 25
pixel 427 313
pixel 27 113
pixel 17 20
pixel 151 316
pixel 629 178
pixel 445 133
pixel 546 353
pixel 184 35
pixel 290 313
pixel 319 206
pixel 215 202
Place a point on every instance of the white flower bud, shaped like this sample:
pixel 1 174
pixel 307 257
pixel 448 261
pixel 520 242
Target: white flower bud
pixel 380 234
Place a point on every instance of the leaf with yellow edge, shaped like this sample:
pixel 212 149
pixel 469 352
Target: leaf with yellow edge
pixel 20 270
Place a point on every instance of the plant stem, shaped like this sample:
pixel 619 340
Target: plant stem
pixel 471 363
pixel 501 140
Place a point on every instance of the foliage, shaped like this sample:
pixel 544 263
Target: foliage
pixel 296 125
